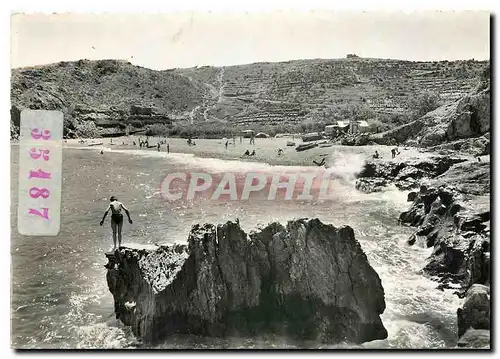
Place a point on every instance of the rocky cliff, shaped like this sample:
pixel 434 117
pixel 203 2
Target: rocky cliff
pixel 306 281
pixel 451 214
pixel 474 318
pixel 468 117
pixel 101 97
pixel 376 175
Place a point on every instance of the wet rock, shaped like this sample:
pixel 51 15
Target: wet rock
pixel 475 312
pixel 470 177
pixel 477 339
pixel 405 175
pixel 411 196
pixel 457 227
pixel 309 281
pixel 369 185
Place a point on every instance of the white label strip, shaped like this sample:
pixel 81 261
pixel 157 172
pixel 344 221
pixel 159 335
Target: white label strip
pixel 40 167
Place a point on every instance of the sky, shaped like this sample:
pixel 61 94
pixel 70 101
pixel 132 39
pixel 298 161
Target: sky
pixel 163 41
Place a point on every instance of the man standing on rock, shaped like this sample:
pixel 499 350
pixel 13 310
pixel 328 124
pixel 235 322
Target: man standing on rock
pixel 116 219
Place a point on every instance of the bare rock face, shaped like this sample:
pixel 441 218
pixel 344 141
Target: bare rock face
pixel 474 318
pixel 475 312
pixel 307 281
pixel 477 146
pixel 458 229
pixel 475 338
pixel 405 175
pixel 468 117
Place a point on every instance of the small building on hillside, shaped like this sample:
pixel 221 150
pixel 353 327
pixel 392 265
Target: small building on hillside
pixel 356 126
pixel 337 128
pixel 352 126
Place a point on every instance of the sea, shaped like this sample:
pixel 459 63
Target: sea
pixel 59 294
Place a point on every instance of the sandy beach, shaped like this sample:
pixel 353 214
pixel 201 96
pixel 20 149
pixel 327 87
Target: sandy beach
pixel 266 149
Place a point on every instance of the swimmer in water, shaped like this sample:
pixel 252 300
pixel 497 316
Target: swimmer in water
pixel 116 219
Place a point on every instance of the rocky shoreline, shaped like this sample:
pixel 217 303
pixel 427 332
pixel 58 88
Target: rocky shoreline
pixel 450 211
pixel 304 279
pixel 307 281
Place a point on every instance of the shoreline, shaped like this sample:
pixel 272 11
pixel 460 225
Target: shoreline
pixel 266 150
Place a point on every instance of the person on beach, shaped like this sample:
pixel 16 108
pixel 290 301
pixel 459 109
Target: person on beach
pixel 280 151
pixel 226 144
pixel 116 219
pixel 395 151
pixel 168 148
pixel 158 146
pixel 247 153
pixel 376 155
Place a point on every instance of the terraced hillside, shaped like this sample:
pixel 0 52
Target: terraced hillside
pixel 108 95
pixel 277 93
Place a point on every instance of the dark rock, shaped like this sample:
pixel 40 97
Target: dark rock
pixel 477 339
pixel 469 177
pixel 458 234
pixel 309 281
pixel 369 185
pixel 404 175
pixel 411 196
pixel 407 184
pixel 475 312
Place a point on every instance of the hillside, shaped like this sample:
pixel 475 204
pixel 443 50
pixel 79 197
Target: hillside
pixel 460 125
pixel 105 96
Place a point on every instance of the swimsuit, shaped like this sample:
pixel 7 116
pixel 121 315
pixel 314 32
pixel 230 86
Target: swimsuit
pixel 117 218
pixel 116 215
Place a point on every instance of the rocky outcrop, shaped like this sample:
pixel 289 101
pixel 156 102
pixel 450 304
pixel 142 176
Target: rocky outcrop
pixel 475 312
pixel 452 215
pixel 477 146
pixel 458 229
pixel 475 338
pixel 307 281
pixel 405 175
pixel 474 318
pixel 468 117
pixel 399 134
